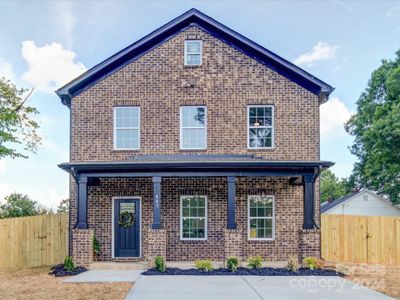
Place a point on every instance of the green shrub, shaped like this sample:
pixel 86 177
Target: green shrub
pixel 69 264
pixel 159 263
pixel 96 245
pixel 232 263
pixel 313 263
pixel 292 264
pixel 204 265
pixel 255 262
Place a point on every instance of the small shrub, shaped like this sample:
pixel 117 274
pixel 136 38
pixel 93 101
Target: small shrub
pixel 292 264
pixel 69 264
pixel 313 263
pixel 255 262
pixel 96 245
pixel 159 263
pixel 204 265
pixel 232 263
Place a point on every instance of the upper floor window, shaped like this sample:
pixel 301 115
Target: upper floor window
pixel 260 126
pixel 193 52
pixel 126 128
pixel 261 217
pixel 193 127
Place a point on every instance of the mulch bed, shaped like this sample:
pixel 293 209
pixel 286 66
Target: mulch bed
pixel 245 271
pixel 59 271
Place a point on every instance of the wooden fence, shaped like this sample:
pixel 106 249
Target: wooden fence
pixel 361 239
pixel 33 241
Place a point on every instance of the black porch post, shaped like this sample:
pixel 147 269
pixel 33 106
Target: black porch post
pixel 82 202
pixel 156 203
pixel 231 202
pixel 308 187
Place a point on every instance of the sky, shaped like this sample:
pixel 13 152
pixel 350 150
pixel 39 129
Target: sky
pixel 44 44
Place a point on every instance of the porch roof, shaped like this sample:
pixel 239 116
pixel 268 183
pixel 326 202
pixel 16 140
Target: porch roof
pixel 187 165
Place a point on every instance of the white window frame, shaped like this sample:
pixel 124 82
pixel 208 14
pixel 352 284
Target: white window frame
pixel 200 53
pixel 250 127
pixel 248 219
pixel 181 219
pixel 181 127
pixel 115 128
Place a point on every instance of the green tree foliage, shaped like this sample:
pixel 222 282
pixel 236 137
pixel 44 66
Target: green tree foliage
pixel 63 206
pixel 18 205
pixel 16 124
pixel 333 188
pixel 376 129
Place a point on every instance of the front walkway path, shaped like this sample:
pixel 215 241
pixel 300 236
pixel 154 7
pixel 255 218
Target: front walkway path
pixel 248 288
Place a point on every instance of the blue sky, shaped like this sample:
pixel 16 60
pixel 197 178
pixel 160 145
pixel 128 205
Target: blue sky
pixel 45 44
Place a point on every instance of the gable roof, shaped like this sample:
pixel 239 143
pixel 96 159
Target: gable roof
pixel 214 28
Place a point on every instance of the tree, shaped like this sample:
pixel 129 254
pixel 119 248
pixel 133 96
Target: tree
pixel 333 188
pixel 376 128
pixel 16 124
pixel 63 206
pixel 18 205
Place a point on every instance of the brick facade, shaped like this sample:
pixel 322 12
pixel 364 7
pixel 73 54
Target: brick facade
pixel 226 83
pixel 82 240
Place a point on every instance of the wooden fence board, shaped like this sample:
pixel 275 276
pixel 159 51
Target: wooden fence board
pixel 360 239
pixel 33 241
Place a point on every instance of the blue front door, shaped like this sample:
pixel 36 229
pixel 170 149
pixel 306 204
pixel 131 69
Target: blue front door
pixel 127 228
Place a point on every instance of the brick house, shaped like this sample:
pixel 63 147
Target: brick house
pixel 194 143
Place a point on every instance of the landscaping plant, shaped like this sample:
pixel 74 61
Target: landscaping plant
pixel 96 245
pixel 204 265
pixel 255 262
pixel 232 263
pixel 69 264
pixel 159 263
pixel 292 264
pixel 313 263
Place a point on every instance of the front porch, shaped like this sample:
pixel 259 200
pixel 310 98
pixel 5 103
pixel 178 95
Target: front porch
pixel 226 181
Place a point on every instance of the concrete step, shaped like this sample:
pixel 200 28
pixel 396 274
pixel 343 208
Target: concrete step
pixel 104 265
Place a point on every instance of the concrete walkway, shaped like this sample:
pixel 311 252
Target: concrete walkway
pixel 248 287
pixel 106 276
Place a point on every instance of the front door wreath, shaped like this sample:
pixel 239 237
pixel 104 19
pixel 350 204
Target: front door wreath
pixel 126 219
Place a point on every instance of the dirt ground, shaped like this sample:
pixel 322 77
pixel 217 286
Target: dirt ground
pixel 37 284
pixel 384 279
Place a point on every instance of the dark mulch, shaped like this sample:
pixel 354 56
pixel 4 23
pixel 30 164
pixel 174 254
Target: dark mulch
pixel 59 271
pixel 246 271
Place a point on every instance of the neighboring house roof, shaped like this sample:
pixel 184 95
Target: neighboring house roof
pixel 211 26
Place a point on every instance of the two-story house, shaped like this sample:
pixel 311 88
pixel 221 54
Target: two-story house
pixel 194 143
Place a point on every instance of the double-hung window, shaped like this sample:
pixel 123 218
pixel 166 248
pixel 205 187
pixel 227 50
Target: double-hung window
pixel 193 52
pixel 127 128
pixel 193 127
pixel 193 217
pixel 261 217
pixel 260 126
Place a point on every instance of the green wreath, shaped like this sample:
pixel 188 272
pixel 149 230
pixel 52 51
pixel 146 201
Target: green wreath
pixel 126 219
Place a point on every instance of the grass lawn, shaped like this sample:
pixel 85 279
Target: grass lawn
pixel 36 284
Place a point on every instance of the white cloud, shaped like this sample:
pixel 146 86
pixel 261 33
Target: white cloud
pixel 5 190
pixel 6 70
pixel 334 114
pixel 320 52
pixel 65 19
pixel 50 66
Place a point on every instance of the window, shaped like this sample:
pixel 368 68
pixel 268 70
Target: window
pixel 126 128
pixel 193 50
pixel 193 217
pixel 260 126
pixel 261 217
pixel 193 127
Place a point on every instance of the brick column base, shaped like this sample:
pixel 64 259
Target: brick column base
pixel 82 246
pixel 233 241
pixel 310 243
pixel 156 244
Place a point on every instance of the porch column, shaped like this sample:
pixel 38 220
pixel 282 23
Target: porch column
pixel 156 203
pixel 82 202
pixel 231 202
pixel 308 187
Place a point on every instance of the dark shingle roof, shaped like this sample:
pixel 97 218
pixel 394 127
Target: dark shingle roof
pixel 331 204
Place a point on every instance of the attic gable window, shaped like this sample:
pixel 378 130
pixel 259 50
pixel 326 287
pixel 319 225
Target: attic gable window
pixel 193 52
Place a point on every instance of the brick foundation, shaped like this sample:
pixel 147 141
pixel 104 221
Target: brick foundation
pixel 82 240
pixel 233 239
pixel 156 243
pixel 310 243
